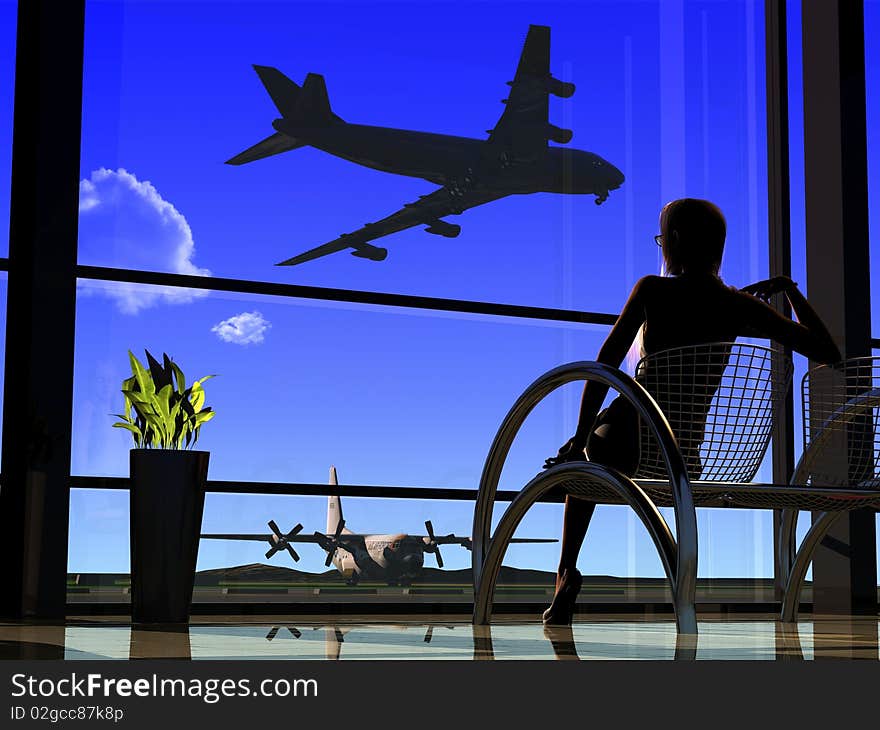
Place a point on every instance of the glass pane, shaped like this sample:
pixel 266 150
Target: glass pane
pixel 3 289
pixel 872 92
pixel 385 561
pixel 672 95
pixel 8 14
pixel 389 395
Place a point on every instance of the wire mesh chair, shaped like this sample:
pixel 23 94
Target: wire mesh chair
pixel 706 413
pixel 840 406
pixel 720 400
pixel 839 470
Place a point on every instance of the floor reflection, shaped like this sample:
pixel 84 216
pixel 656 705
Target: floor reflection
pixel 160 642
pixel 232 638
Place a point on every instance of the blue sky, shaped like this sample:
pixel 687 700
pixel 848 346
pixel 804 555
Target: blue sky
pixel 393 396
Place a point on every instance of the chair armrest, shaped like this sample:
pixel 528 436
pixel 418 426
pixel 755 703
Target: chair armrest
pixel 613 377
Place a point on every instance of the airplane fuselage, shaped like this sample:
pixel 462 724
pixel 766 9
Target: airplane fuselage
pixel 393 558
pixel 459 161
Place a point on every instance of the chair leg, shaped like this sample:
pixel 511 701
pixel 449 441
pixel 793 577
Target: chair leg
pixel 686 646
pixel 685 616
pixel 633 494
pixel 484 590
pixel 802 561
pixel 785 546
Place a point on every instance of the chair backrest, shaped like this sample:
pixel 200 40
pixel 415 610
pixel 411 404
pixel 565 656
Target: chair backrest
pixel 720 400
pixel 841 407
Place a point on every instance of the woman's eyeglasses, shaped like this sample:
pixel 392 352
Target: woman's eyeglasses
pixel 658 239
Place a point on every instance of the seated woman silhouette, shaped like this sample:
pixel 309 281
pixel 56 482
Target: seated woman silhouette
pixel 691 305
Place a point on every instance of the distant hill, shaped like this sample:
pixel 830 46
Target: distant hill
pixel 262 573
pixel 274 574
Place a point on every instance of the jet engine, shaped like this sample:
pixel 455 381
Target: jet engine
pixel 556 87
pixel 442 228
pixel 558 134
pixel 366 251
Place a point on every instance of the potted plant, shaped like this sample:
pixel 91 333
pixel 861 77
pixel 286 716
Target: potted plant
pixel 167 487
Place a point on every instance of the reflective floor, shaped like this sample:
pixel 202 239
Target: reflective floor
pixel 751 638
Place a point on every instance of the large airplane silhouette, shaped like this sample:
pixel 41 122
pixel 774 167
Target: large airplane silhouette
pixel 515 159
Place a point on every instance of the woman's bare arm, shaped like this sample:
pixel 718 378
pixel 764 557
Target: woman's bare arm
pixel 808 336
pixel 612 352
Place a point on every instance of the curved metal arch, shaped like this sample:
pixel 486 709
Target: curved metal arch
pixel 630 491
pixel 483 648
pixel 646 406
pixel 784 544
pixel 804 557
pixel 788 642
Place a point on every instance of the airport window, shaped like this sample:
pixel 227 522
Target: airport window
pixel 236 571
pixel 8 12
pixel 156 196
pixel 872 92
pixel 157 129
pixel 3 285
pixel 392 396
pixel 797 190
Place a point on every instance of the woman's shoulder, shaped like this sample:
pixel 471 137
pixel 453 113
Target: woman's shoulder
pixel 650 282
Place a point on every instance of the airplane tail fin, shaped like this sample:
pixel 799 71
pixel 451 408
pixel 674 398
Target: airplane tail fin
pixel 334 506
pixel 307 105
pixel 313 104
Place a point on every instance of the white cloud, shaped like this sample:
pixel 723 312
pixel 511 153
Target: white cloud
pixel 243 329
pixel 125 223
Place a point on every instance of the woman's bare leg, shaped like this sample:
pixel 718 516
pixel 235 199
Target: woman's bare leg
pixel 575 522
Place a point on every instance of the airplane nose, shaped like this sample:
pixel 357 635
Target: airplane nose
pixel 617 178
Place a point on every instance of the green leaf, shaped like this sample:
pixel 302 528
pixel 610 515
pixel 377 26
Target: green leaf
pixel 162 401
pixel 135 396
pixel 160 376
pixel 204 417
pixel 135 431
pixel 175 423
pixel 129 427
pixel 186 404
pixel 198 396
pixel 144 380
pixel 178 375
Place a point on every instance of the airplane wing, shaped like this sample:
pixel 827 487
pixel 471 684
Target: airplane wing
pixel 465 542
pixel 427 210
pixel 524 128
pixel 259 538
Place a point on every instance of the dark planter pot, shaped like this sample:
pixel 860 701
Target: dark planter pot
pixel 167 499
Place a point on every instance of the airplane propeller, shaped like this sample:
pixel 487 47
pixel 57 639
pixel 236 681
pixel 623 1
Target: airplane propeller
pixel 334 542
pixel 429 634
pixel 281 541
pixel 273 632
pixel 432 546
